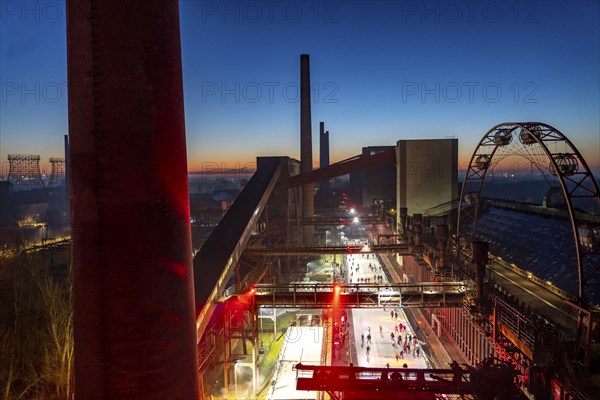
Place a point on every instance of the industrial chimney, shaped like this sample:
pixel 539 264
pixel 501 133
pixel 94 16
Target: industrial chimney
pixel 323 153
pixel 134 318
pixel 308 200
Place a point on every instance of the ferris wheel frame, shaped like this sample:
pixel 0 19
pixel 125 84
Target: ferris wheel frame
pixel 571 169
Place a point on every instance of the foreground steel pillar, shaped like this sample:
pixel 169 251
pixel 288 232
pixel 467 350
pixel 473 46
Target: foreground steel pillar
pixel 134 321
pixel 480 260
pixel 308 199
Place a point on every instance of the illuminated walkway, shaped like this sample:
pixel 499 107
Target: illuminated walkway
pixel 381 350
pixel 301 344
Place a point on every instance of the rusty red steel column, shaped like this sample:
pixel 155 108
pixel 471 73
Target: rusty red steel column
pixel 308 198
pixel 134 319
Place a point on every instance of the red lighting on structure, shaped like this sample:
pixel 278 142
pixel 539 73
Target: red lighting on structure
pixel 337 289
pixel 177 268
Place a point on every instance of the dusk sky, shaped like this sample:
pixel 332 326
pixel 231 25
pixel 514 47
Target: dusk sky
pixel 381 71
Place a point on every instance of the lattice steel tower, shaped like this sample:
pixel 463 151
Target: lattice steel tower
pixel 57 176
pixel 24 172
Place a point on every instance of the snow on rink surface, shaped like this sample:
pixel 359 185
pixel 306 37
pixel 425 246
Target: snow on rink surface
pixel 301 344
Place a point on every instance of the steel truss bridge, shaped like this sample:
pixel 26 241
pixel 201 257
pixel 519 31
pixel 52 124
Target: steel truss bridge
pixel 319 295
pixel 357 381
pixel 402 249
pixel 487 381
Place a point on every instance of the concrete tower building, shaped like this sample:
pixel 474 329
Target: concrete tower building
pixel 378 183
pixel 426 174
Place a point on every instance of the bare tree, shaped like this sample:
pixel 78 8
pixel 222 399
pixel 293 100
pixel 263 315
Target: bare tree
pixel 36 333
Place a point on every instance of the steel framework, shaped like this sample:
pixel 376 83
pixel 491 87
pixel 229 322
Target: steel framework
pixel 240 339
pixel 24 172
pixel 57 176
pixel 356 163
pixel 220 254
pixel 283 250
pixel 552 154
pixel 490 379
pixel 365 295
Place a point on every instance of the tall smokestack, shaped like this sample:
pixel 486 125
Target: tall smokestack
pixel 323 152
pixel 308 200
pixel 323 146
pixel 134 319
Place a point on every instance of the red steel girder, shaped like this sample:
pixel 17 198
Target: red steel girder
pixel 357 163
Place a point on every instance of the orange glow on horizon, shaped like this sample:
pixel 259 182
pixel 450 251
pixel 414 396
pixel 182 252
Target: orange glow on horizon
pixel 248 163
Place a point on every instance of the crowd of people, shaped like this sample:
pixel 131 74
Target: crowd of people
pixel 402 340
pixel 354 267
pixel 404 343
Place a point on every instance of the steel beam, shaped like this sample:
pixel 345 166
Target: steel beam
pixel 317 295
pixel 402 249
pixel 356 163
pixel 375 382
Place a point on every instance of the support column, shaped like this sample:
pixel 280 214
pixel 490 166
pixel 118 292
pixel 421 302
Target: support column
pixel 417 227
pixel 403 212
pixel 441 234
pixel 480 260
pixel 134 318
pixel 274 323
pixel 308 199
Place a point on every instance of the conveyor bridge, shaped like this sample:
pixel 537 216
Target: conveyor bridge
pixel 282 250
pixel 364 295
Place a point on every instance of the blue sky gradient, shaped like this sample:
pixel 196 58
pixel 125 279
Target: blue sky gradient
pixel 381 70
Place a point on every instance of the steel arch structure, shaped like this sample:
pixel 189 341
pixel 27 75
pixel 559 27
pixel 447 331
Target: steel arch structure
pixel 537 142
